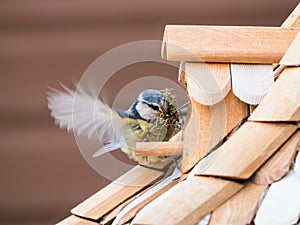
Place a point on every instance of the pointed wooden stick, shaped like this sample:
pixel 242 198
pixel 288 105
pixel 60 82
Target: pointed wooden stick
pixel 167 148
pixel 279 164
pixel 170 148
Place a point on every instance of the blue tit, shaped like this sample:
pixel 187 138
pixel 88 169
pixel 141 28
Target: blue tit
pixel 152 117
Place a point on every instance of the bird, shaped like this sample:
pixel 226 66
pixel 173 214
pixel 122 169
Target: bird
pixel 153 116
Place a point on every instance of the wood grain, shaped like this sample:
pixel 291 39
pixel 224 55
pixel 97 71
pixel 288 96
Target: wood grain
pixel 248 148
pixel 75 220
pixel 201 135
pixel 194 198
pixel 116 192
pixel 282 102
pixel 173 147
pixel 279 164
pixel 167 148
pixel 207 83
pixel 241 208
pixel 292 55
pixel 226 44
pixel 107 219
pixel 133 212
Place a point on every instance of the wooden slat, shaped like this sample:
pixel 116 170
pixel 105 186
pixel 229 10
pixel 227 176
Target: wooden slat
pixel 187 202
pixel 241 208
pixel 116 192
pixel 107 219
pixel 251 108
pixel 251 82
pixel 207 126
pixel 279 164
pixel 282 102
pixel 130 210
pixel 292 55
pixel 132 213
pixel 75 220
pixel 159 148
pixel 293 19
pixel 226 44
pixel 248 148
pixel 281 204
pixel 173 147
pixel 207 83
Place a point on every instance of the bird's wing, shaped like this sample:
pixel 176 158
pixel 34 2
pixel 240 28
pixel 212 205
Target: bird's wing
pixel 79 112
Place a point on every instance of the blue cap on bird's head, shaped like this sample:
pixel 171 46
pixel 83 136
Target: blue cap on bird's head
pixel 148 104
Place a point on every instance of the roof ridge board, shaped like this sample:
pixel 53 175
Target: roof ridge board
pixel 227 44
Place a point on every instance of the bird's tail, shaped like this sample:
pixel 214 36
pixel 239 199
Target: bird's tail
pixel 109 147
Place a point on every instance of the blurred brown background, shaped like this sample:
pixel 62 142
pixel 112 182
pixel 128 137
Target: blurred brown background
pixel 41 42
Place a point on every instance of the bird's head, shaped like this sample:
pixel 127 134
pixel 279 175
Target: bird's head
pixel 149 104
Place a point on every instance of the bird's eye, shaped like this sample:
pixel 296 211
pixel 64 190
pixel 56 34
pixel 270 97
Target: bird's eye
pixel 155 107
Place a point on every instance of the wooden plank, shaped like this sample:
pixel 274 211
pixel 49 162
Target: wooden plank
pixel 279 164
pixel 292 55
pixel 75 220
pixel 297 162
pixel 207 83
pixel 194 198
pixel 116 192
pixel 248 148
pixel 208 125
pixel 241 208
pixel 130 211
pixel 293 19
pixel 282 102
pixel 278 70
pixel 251 108
pixel 281 204
pixel 133 212
pixel 166 148
pixel 173 147
pixel 177 137
pixel 107 219
pixel 250 82
pixel 226 43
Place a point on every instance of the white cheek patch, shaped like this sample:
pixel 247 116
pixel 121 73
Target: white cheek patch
pixel 145 111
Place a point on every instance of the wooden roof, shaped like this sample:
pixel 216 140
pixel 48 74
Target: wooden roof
pixel 226 182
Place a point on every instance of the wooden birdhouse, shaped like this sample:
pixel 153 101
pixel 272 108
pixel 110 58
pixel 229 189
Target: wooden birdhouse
pixel 239 142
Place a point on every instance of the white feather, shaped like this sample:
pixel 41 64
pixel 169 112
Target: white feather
pixel 79 112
